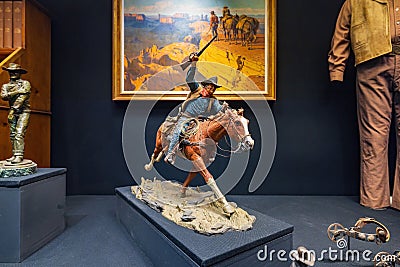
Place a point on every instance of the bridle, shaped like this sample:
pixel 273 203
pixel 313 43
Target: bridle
pixel 231 123
pixel 241 138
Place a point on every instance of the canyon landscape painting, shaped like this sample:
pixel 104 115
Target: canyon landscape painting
pixel 152 39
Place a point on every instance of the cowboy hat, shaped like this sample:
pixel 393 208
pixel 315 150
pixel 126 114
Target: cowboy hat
pixel 213 80
pixel 13 67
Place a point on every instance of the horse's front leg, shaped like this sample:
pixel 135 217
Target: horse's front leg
pixel 202 169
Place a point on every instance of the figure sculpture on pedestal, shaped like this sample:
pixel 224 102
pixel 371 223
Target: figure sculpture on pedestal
pixel 17 93
pixel 201 103
pixel 193 135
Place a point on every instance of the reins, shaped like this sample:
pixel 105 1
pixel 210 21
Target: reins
pixel 241 138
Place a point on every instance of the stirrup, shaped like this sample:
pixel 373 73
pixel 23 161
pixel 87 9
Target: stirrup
pixel 170 158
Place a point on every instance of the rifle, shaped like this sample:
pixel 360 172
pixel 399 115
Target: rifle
pixel 187 63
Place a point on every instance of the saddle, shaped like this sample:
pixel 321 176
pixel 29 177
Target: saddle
pixel 169 125
pixel 243 19
pixel 189 128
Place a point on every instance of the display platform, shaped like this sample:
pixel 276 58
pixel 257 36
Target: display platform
pixel 31 212
pixel 8 169
pixel 168 244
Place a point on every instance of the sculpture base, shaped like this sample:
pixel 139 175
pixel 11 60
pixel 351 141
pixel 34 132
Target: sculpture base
pixel 168 244
pixel 31 212
pixel 197 210
pixel 8 169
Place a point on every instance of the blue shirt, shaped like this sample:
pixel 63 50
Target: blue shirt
pixel 200 106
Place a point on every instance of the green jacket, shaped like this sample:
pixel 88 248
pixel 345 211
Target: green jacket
pixel 17 93
pixel 369 32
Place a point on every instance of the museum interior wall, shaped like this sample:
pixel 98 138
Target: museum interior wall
pixel 317 146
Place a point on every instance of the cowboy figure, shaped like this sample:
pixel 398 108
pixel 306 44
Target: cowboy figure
pixel 240 63
pixel 214 24
pixel 17 92
pixel 200 102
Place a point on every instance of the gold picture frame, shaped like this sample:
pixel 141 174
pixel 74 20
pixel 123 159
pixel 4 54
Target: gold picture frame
pixel 137 56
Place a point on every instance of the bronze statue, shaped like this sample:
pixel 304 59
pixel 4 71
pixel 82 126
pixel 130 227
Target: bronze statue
pixel 17 92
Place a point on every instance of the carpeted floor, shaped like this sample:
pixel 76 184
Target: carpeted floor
pixel 94 237
pixel 311 217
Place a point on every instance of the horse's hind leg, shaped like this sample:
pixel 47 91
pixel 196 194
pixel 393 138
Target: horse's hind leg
pixel 186 183
pixel 157 153
pixel 153 159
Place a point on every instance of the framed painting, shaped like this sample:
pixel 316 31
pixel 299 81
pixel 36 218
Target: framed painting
pixel 152 41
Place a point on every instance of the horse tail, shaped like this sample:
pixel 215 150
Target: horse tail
pixel 159 140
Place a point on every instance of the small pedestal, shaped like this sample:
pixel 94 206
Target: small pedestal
pixel 8 169
pixel 31 212
pixel 168 244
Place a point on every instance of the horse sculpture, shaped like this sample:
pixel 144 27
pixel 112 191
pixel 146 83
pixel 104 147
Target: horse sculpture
pixel 199 149
pixel 248 27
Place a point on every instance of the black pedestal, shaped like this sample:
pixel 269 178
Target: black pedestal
pixel 168 244
pixel 31 212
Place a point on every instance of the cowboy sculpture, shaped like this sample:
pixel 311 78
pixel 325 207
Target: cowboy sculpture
pixel 17 93
pixel 200 102
pixel 199 137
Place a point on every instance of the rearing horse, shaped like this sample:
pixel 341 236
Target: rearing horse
pixel 199 150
